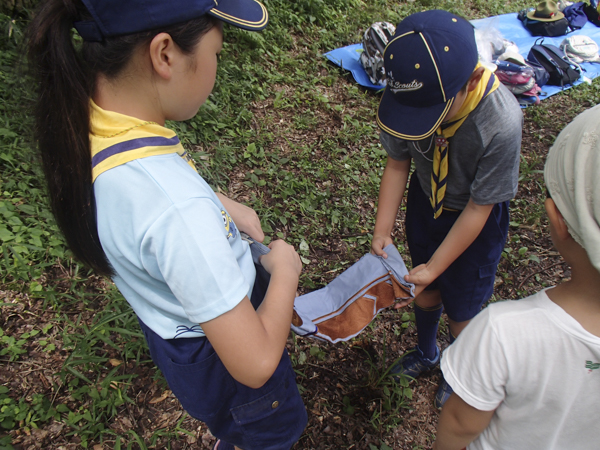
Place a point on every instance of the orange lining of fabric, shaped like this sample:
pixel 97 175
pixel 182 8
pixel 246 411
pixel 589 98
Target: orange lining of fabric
pixel 362 310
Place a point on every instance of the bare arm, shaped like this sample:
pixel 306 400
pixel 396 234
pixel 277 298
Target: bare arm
pixel 244 217
pixel 462 234
pixel 459 424
pixel 391 191
pixel 250 343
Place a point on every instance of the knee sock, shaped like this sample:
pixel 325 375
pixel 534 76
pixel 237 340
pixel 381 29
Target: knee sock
pixel 427 321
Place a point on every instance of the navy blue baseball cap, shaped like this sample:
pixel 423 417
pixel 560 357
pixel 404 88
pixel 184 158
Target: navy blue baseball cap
pixel 427 62
pixel 120 17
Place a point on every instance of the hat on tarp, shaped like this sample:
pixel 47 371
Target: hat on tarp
pixel 546 11
pixel 121 17
pixel 427 62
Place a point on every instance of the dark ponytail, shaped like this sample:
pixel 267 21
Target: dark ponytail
pixel 66 76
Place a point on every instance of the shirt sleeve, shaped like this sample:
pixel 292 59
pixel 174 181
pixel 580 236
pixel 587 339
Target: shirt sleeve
pixel 497 175
pixel 396 148
pixel 475 364
pixel 187 247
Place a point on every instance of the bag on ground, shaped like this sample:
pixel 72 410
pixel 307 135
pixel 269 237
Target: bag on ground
pixel 561 71
pixel 580 48
pixel 374 41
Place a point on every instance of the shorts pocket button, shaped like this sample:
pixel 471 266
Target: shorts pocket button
pixel 275 404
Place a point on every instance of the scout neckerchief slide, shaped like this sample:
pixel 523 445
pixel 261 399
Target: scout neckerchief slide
pixel 110 148
pixel 439 174
pixel 343 308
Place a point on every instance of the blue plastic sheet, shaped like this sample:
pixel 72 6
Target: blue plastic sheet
pixel 509 26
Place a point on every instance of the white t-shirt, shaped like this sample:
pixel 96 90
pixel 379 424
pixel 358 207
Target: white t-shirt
pixel 179 257
pixel 537 367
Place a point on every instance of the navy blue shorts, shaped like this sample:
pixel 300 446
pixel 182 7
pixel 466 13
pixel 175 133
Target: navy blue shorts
pixel 271 417
pixel 469 281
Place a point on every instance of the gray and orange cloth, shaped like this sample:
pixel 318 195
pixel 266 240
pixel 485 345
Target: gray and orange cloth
pixel 343 308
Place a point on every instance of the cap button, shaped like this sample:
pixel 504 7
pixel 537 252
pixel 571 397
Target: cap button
pixel 418 27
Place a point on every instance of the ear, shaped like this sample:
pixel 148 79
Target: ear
pixel 163 54
pixel 556 220
pixel 475 78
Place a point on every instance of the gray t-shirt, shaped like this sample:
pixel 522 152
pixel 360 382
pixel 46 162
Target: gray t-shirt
pixel 483 157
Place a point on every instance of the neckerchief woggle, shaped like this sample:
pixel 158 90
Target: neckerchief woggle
pixel 117 139
pixel 439 173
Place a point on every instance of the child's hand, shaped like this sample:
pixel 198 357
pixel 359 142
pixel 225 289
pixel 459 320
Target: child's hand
pixel 249 223
pixel 379 243
pixel 282 256
pixel 421 277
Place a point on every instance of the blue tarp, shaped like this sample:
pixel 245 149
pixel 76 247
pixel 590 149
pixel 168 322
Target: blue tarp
pixel 509 26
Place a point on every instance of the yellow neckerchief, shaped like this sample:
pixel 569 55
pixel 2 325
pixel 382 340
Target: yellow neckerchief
pixel 439 174
pixel 117 139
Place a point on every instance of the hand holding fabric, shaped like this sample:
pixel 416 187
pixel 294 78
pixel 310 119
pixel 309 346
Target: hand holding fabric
pixel 282 256
pixel 421 276
pixel 379 243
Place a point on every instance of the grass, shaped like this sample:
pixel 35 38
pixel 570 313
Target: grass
pixel 283 132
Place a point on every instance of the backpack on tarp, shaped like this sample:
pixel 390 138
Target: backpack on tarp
pixel 556 63
pixel 375 39
pixel 558 27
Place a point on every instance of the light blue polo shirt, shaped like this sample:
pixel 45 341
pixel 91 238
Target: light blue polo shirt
pixel 178 256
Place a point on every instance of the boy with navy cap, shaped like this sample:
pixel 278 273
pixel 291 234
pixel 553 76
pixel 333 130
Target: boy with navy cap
pixel 462 129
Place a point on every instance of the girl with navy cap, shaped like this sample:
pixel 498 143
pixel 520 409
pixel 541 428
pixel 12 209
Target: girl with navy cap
pixel 132 206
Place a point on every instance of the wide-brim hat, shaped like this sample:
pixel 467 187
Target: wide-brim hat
pixel 122 17
pixel 428 61
pixel 512 57
pixel 546 11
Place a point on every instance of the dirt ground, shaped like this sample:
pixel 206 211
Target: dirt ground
pixel 336 380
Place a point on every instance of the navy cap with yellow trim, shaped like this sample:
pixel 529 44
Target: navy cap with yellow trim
pixel 121 17
pixel 427 62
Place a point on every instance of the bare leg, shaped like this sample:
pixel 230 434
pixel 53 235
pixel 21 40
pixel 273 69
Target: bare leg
pixel 428 299
pixel 457 327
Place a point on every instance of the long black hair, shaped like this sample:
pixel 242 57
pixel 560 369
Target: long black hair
pixel 66 73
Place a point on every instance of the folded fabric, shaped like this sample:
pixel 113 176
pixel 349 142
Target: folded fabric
pixel 515 77
pixel 518 89
pixel 343 308
pixel 533 92
pixel 576 16
pixel 508 66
